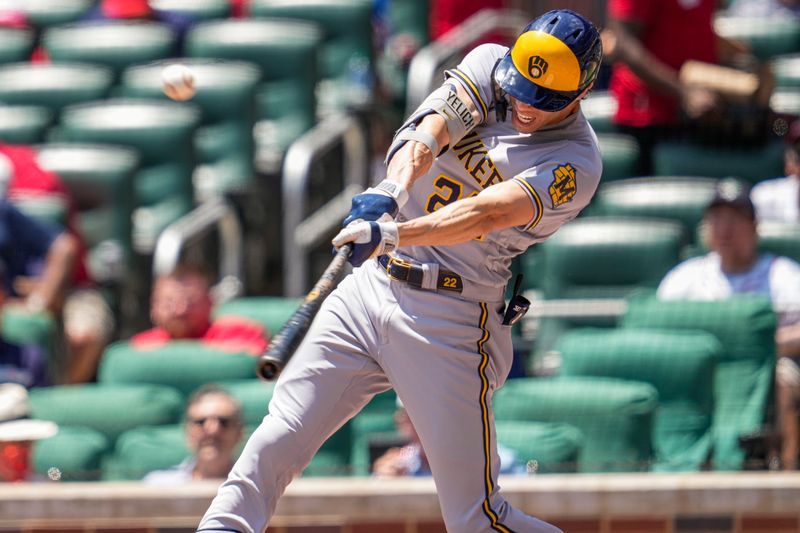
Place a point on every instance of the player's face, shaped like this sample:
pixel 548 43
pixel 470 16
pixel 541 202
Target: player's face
pixel 528 119
pixel 182 306
pixel 731 233
pixel 212 428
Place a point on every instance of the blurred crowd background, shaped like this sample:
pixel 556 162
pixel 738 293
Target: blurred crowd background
pixel 149 249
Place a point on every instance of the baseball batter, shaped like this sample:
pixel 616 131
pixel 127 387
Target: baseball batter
pixel 493 161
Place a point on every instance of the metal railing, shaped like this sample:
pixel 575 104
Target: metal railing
pixel 216 213
pixel 428 62
pixel 303 231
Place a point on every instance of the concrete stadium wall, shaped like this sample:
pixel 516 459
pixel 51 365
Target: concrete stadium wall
pixel 636 503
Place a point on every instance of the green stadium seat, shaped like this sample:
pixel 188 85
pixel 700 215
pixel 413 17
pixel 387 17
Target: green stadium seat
pixel 745 327
pixel 143 449
pixel 43 14
pixel 615 416
pixel 346 52
pixel 595 257
pixel 786 69
pixel 16 44
pixel 544 447
pixel 785 101
pixel 766 37
pixel 253 395
pixel 620 155
pixel 51 210
pixel 286 53
pixel 780 239
pixel 24 124
pixel 54 85
pixel 754 164
pixel 196 10
pixel 109 409
pixel 162 133
pixel 376 419
pixel 100 179
pixel 682 199
pixel 77 453
pixel 272 312
pixel 599 109
pixel 226 94
pixel 681 368
pixel 115 44
pixel 183 365
pixel 20 326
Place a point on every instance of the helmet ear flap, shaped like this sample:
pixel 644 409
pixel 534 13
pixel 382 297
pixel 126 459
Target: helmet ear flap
pixel 500 100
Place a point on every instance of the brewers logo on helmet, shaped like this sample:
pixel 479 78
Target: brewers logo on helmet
pixel 554 59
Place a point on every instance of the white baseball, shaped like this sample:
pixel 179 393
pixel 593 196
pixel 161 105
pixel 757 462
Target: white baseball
pixel 177 82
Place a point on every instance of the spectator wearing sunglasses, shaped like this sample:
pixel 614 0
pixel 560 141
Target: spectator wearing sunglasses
pixel 213 426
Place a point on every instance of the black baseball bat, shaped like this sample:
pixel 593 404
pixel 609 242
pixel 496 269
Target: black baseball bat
pixel 282 346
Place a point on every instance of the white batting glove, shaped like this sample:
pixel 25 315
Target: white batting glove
pixel 370 239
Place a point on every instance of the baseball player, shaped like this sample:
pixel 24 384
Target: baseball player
pixel 493 161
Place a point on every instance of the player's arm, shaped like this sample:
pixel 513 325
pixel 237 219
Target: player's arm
pixel 500 206
pixel 414 158
pixel 445 116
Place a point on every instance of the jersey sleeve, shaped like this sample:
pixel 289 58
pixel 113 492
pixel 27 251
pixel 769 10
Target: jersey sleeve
pixel 474 73
pixel 632 10
pixel 559 190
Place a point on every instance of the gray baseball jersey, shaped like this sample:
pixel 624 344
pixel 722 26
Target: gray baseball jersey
pixel 441 345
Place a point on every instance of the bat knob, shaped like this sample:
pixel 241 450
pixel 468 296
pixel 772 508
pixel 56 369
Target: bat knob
pixel 268 368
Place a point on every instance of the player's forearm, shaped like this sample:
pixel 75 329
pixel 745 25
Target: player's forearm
pixel 415 159
pixel 452 224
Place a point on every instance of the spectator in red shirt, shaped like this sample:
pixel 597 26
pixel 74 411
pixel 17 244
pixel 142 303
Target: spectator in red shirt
pixel 650 40
pixel 180 308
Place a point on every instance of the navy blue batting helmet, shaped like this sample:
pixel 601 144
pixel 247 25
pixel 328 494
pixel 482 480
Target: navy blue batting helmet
pixel 554 59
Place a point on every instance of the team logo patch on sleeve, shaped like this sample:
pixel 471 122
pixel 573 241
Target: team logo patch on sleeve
pixel 564 187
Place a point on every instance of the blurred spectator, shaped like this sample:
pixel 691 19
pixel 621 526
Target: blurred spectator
pixel 25 365
pixel 410 459
pixel 18 432
pixel 733 266
pixel 649 41
pixel 764 8
pixel 180 308
pixel 447 14
pixel 213 428
pixel 38 267
pixel 778 199
pixel 88 321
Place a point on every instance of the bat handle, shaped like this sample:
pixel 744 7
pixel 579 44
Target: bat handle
pixel 268 367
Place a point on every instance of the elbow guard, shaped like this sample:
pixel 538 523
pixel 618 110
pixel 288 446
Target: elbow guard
pixel 445 102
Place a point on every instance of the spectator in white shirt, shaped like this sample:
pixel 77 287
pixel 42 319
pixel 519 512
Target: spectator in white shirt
pixel 778 199
pixel 734 266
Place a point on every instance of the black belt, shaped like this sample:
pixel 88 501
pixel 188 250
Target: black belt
pixel 414 274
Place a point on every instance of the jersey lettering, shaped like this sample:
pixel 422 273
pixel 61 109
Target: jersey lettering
pixel 449 190
pixel 474 155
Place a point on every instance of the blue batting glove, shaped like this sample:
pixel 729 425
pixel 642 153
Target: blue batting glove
pixel 386 198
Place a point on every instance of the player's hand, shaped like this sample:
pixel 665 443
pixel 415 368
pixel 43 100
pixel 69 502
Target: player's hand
pixel 385 199
pixel 370 239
